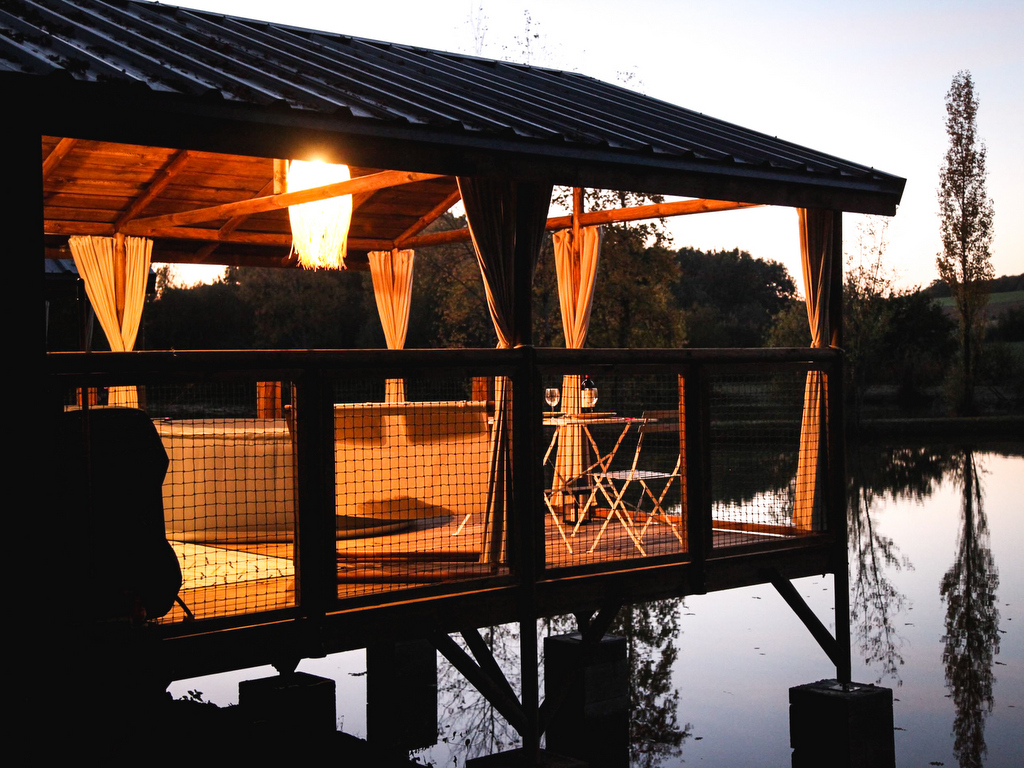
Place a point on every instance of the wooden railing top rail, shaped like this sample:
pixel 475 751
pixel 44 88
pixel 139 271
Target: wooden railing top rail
pixel 70 363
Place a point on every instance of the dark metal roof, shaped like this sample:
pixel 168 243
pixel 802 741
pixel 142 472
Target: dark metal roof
pixel 587 131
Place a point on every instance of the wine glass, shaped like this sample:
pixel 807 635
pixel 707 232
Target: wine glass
pixel 552 396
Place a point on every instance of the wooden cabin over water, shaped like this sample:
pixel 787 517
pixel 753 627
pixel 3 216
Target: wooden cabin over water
pixel 323 500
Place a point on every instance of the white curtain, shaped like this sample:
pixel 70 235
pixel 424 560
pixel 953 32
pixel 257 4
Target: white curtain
pixel 576 270
pixel 816 233
pixel 506 221
pixel 95 261
pixel 391 272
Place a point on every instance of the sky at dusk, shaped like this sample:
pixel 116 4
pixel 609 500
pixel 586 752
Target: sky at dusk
pixel 865 82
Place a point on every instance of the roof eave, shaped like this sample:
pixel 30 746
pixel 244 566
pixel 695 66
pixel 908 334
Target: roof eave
pixel 90 110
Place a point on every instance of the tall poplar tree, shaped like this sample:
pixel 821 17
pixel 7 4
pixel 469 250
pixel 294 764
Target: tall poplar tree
pixel 965 211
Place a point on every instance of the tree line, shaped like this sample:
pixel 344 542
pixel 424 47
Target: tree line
pixel 647 295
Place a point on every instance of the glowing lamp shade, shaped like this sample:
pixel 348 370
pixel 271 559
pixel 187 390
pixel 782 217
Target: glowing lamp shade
pixel 319 229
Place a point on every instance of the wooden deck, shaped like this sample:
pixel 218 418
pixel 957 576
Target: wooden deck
pixel 224 581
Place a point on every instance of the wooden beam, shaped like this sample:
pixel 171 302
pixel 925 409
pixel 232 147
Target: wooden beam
pixel 367 183
pixel 653 211
pixel 213 235
pixel 60 227
pixel 615 216
pixel 235 221
pixel 53 159
pixel 163 177
pixel 428 218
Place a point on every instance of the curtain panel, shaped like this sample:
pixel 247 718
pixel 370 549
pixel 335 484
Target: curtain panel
pixel 507 221
pixel 95 260
pixel 576 270
pixel 816 251
pixel 391 272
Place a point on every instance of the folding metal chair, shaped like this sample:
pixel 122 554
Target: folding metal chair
pixel 614 485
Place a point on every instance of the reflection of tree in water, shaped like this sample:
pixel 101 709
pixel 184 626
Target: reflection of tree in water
pixel 469 721
pixel 466 719
pixel 650 630
pixel 875 602
pixel 972 620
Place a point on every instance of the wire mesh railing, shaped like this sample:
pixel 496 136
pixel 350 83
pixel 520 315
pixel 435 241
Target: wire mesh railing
pixel 613 471
pixel 302 482
pixel 763 468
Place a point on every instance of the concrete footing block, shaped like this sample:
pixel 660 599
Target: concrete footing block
pixel 295 702
pixel 592 723
pixel 847 726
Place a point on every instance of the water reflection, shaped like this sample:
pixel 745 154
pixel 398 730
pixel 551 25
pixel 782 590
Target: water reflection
pixel 972 619
pixel 651 630
pixel 881 480
pixel 466 719
pixel 469 724
pixel 875 601
pixel 968 588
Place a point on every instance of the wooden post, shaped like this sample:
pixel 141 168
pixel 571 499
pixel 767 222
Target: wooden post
pixel 268 400
pixel 280 176
pixel 694 442
pixel 577 212
pixel 482 389
pixel 836 498
pixel 120 276
pixel 527 530
pixel 315 565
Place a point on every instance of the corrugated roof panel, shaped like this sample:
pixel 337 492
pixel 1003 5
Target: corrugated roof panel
pixel 255 62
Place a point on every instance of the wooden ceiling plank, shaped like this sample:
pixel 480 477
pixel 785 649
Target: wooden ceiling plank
pixel 216 236
pixel 160 182
pixel 428 218
pixel 52 160
pixel 66 228
pixel 276 202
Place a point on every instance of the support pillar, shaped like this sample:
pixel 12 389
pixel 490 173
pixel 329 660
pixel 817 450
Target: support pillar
pixel 592 723
pixel 294 702
pixel 845 726
pixel 401 695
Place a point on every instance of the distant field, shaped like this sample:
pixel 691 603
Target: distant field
pixel 994 299
pixel 997 304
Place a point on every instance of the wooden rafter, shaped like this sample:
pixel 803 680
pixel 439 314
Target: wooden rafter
pixel 615 216
pixel 428 218
pixel 653 211
pixel 255 205
pixel 59 152
pixel 234 222
pixel 227 233
pixel 163 178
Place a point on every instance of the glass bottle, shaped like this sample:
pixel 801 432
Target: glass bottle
pixel 588 393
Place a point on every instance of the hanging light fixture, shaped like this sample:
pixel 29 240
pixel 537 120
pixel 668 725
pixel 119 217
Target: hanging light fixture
pixel 319 229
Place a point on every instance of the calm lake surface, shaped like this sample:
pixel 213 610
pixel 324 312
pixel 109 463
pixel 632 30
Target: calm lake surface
pixel 937 587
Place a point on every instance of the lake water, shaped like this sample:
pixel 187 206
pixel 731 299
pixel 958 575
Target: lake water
pixel 937 589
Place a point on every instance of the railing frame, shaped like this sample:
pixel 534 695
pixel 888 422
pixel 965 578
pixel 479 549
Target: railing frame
pixel 530 589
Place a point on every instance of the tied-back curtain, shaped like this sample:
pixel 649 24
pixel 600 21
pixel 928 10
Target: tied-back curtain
pixel 816 249
pixel 391 272
pixel 505 218
pixel 94 259
pixel 506 221
pixel 576 270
